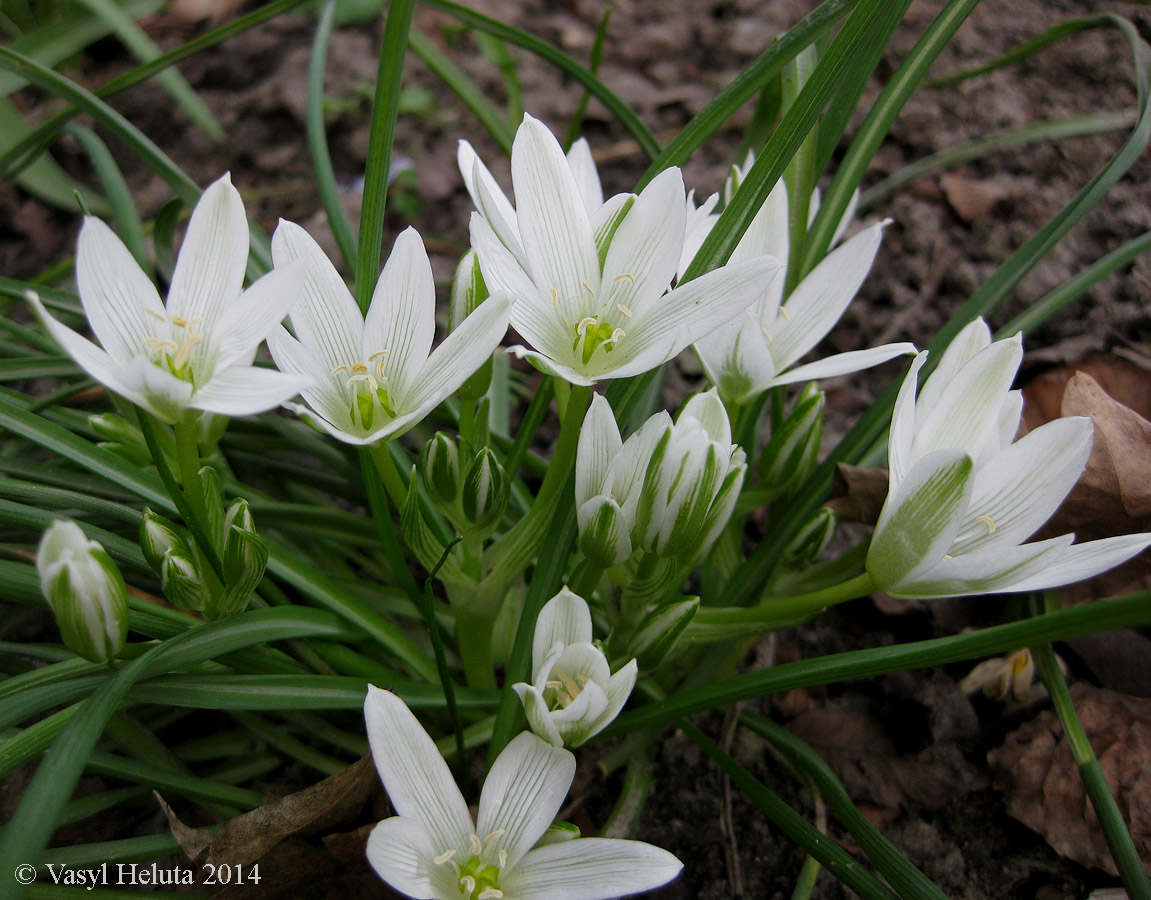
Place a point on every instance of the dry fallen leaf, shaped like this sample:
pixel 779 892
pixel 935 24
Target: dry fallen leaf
pixel 971 198
pixel 1035 770
pixel 857 494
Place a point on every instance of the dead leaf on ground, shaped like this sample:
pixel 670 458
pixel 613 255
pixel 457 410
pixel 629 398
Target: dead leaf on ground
pixel 972 198
pixel 1035 770
pixel 858 494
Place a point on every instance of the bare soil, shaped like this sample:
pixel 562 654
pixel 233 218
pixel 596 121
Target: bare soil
pixel 911 748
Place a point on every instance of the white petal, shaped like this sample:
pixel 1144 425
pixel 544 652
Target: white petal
pixel 974 337
pixel 457 358
pixel 1020 488
pixel 255 313
pixel 590 869
pixel 326 320
pixel 707 409
pixel 120 301
pixel 584 662
pixel 501 270
pixel 402 315
pixel 1086 560
pixel 414 774
pixel 402 853
pixel 903 422
pixel 642 257
pixel 538 715
pixel 490 199
pixel 324 392
pixel 918 523
pixel 692 311
pixel 161 392
pixel 619 688
pixel 575 721
pixel 552 367
pixel 247 390
pixel 630 468
pixel 699 224
pixel 768 232
pixel 599 444
pixel 554 224
pixel 819 301
pixel 210 269
pixel 586 175
pixel 523 792
pixel 990 571
pixel 968 408
pixel 565 619
pixel 844 363
pixel 737 358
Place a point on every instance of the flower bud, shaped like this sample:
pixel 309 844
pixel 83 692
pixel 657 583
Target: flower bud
pixel 813 537
pixel 440 469
pixel 213 499
pixel 157 536
pixel 659 631
pixel 486 488
pixel 181 581
pixel 85 590
pixel 603 532
pixel 244 558
pixel 793 451
pixel 468 292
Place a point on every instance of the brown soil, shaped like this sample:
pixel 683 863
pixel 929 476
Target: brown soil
pixel 947 237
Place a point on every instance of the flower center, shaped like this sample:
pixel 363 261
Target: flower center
pixel 563 689
pixel 172 354
pixel 477 880
pixel 366 385
pixel 595 333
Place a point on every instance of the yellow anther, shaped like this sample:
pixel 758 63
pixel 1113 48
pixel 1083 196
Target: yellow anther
pixel 182 357
pixel 477 847
pixel 587 287
pixel 339 370
pixel 989 522
pixel 444 857
pixel 156 315
pixel 553 684
pixel 783 312
pixel 946 557
pixel 158 345
pixel 359 367
pixel 622 275
pixel 767 334
pixel 555 296
pixel 179 321
pixel 584 324
pixel 494 836
pixel 490 894
pixel 378 354
pixel 468 884
pixel 623 309
pixel 503 858
pixel 1020 662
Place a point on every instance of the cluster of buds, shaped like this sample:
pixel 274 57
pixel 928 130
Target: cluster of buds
pixel 473 500
pixel 184 573
pixel 669 489
pixel 85 590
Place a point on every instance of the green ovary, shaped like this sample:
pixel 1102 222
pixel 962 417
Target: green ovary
pixel 479 881
pixel 595 334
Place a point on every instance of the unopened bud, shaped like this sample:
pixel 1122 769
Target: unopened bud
pixel 157 536
pixel 181 581
pixel 486 488
pixel 793 451
pixel 85 590
pixel 811 540
pixel 468 292
pixel 659 631
pixel 245 556
pixel 603 532
pixel 440 469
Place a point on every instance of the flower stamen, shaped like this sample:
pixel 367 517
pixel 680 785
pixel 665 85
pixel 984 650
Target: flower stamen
pixel 623 309
pixel 622 275
pixel 444 857
pixel 989 522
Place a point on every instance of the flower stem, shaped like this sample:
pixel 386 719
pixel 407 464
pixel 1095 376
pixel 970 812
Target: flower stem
pixel 1106 809
pixel 386 467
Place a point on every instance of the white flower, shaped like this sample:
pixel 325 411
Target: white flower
pixel 574 695
pixel 757 349
pixel 84 589
pixel 963 496
pixel 373 378
pixel 195 353
pixel 591 281
pixel 433 849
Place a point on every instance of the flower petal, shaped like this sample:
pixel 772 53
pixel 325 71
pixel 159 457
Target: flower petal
pixel 599 444
pixel 120 301
pixel 490 199
pixel 619 688
pixel 160 392
pixel 327 319
pixel 402 315
pixel 324 393
pixel 209 272
pixel 1086 560
pixel 402 853
pixel 737 358
pixel 255 313
pixel 992 571
pixel 522 793
pixel 565 619
pixel 590 869
pixel 416 777
pixel 586 175
pixel 546 364
pixel 247 390
pixel 554 223
pixel 974 337
pixel 903 422
pixel 537 713
pixel 844 363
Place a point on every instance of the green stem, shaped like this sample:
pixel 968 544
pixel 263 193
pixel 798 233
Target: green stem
pixel 1106 809
pixel 386 467
pixel 474 635
pixel 585 580
pixel 800 173
pixel 713 623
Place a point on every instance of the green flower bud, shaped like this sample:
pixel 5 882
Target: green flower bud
pixel 811 540
pixel 486 488
pixel 659 631
pixel 603 532
pixel 468 292
pixel 157 536
pixel 85 590
pixel 181 581
pixel 245 556
pixel 793 451
pixel 440 469
pixel 213 499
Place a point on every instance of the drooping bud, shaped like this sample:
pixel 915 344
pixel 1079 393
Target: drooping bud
pixel 440 470
pixel 659 631
pixel 793 451
pixel 85 590
pixel 486 489
pixel 468 292
pixel 244 557
pixel 181 581
pixel 157 536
